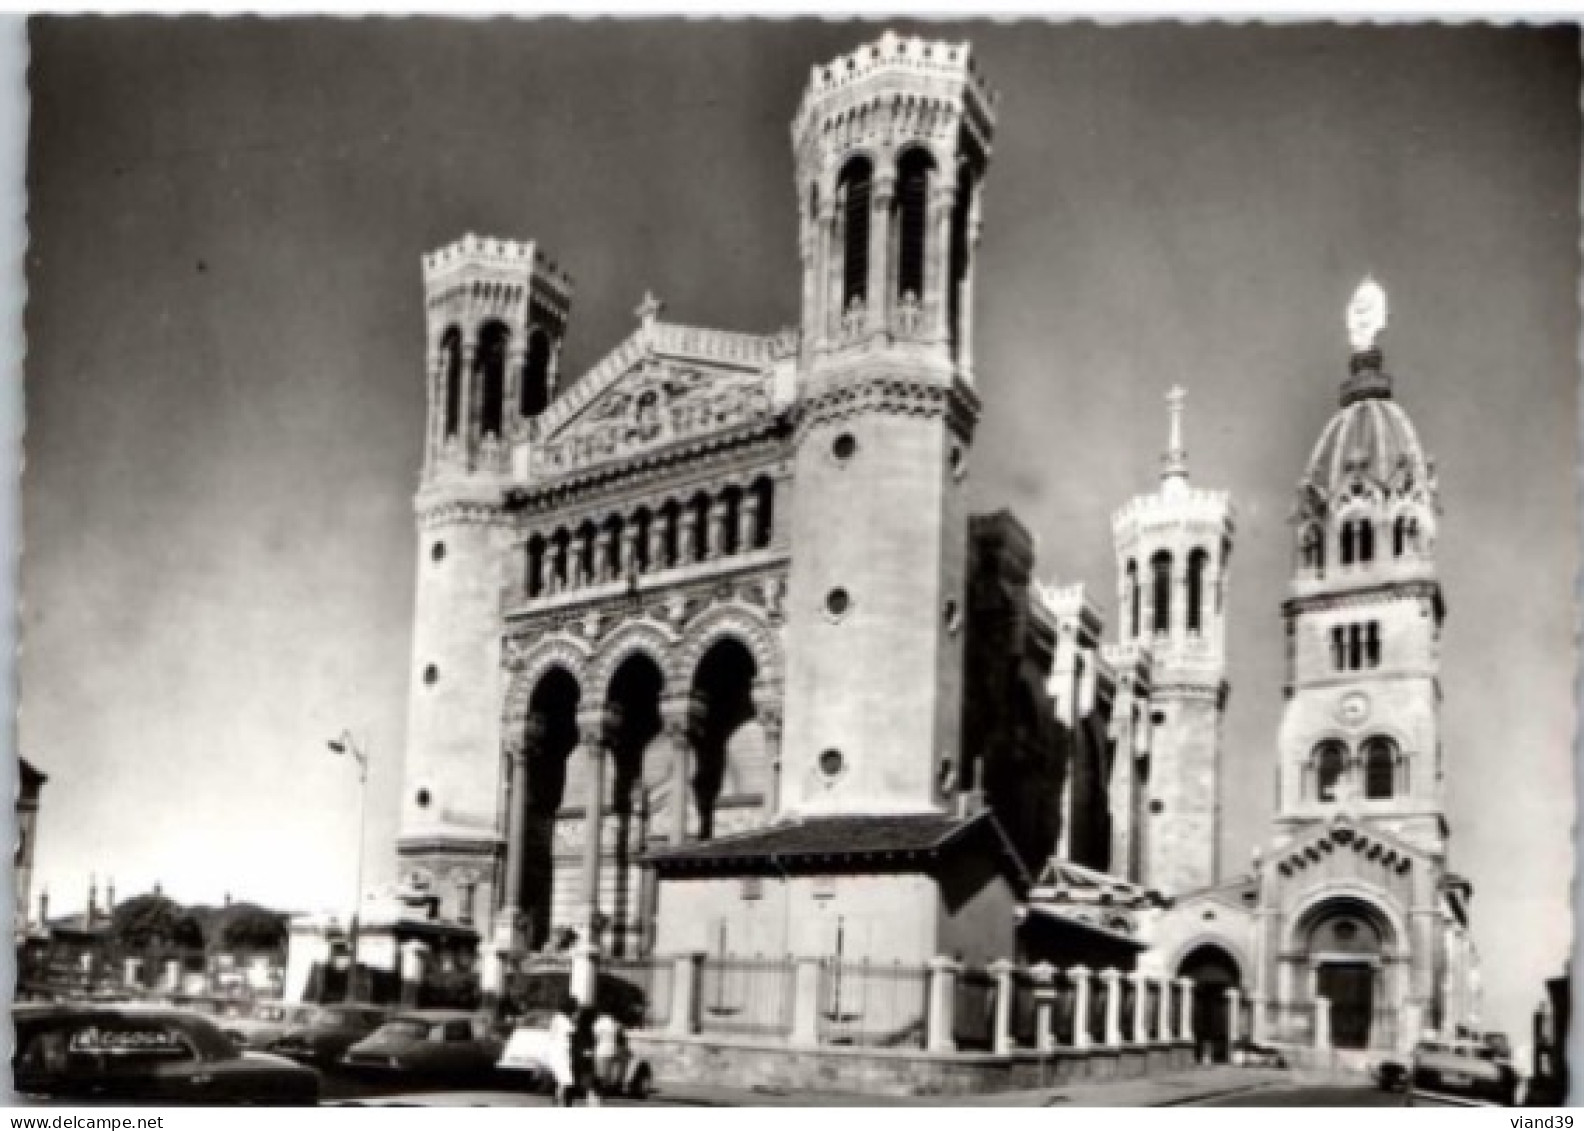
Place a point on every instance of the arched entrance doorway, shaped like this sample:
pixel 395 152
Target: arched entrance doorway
pixel 1345 941
pixel 553 733
pixel 1214 972
pixel 635 694
pixel 730 771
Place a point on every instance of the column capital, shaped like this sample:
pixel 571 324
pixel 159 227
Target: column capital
pixel 1185 984
pixel 1043 973
pixel 597 724
pixel 1079 971
pixel 1112 974
pixel 681 713
pixel 1001 967
pixel 944 964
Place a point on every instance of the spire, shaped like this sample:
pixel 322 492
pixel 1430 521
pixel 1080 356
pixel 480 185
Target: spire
pixel 1366 319
pixel 1174 464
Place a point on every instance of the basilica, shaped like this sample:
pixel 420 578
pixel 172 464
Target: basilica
pixel 710 654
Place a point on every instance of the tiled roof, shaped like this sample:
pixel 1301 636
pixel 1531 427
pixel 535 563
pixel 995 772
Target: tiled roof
pixel 1077 923
pixel 836 840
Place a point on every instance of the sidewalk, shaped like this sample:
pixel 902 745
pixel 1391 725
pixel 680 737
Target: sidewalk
pixel 1161 1091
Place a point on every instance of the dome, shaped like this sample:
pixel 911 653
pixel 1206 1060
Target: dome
pixel 1371 439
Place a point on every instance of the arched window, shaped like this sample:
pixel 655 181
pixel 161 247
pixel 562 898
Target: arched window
pixel 1347 543
pixel 764 491
pixel 536 566
pixel 536 375
pixel 1355 648
pixel 1313 549
pixel 913 178
pixel 491 366
pixel 1338 647
pixel 957 266
pixel 1160 570
pixel 1196 582
pixel 1134 599
pixel 1366 540
pixel 1380 768
pixel 855 189
pixel 451 353
pixel 1330 762
pixel 1372 644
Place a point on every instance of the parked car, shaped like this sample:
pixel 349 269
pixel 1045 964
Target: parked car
pixel 135 1053
pixel 1462 1073
pixel 323 1037
pixel 433 1044
pixel 528 1055
pixel 268 1023
pixel 1391 1073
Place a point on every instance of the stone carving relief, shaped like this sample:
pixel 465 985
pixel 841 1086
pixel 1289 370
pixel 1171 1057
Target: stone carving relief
pixel 657 404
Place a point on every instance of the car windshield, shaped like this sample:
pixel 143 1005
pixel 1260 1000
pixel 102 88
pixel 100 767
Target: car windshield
pixel 205 1036
pixel 406 1028
pixel 342 1019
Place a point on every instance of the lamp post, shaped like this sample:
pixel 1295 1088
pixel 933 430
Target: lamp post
pixel 347 745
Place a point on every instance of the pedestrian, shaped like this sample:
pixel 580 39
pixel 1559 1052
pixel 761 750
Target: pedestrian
pixel 587 1080
pixel 562 1031
pixel 610 1053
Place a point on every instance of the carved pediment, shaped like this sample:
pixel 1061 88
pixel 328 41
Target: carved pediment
pixel 657 402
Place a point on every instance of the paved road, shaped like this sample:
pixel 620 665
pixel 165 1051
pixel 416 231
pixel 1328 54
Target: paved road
pixel 1310 1096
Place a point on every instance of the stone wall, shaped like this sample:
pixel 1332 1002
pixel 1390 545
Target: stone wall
pixel 890 1072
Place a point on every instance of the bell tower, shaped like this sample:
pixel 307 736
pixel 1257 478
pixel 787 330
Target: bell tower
pixel 1361 733
pixel 495 313
pixel 891 147
pixel 1173 550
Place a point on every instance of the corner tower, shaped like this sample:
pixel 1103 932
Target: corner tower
pixel 495 313
pixel 1361 731
pixel 1173 549
pixel 891 146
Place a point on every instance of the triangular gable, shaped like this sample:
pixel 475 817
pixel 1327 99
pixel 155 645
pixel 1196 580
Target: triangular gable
pixel 664 384
pixel 1239 893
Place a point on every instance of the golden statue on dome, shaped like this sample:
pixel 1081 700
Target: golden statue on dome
pixel 1366 315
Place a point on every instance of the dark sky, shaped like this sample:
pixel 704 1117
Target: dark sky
pixel 224 369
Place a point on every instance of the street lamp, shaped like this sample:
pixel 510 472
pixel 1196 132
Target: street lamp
pixel 347 745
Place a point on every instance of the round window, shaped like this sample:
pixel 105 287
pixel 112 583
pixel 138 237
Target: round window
pixel 830 762
pixel 431 675
pixel 437 552
pixel 844 446
pixel 837 602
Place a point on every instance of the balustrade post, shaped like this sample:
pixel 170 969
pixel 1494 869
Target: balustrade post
pixel 1141 1031
pixel 1234 1001
pixel 1322 1023
pixel 1001 970
pixel 1163 1026
pixel 1080 976
pixel 685 994
pixel 1044 977
pixel 805 1001
pixel 1185 1027
pixel 943 973
pixel 1112 978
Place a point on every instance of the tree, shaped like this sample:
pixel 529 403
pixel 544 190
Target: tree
pixel 254 928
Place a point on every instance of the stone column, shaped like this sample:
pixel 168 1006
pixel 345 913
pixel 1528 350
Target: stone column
pixel 518 754
pixel 747 522
pixel 1112 978
pixel 1163 1025
pixel 1234 1001
pixel 467 400
pixel 1141 1029
pixel 769 714
pixel 628 564
pixel 684 994
pixel 595 725
pixel 680 714
pixel 1001 970
pixel 937 262
pixel 1185 1026
pixel 879 298
pixel 1080 978
pixel 657 540
pixel 575 564
pixel 805 1001
pixel 1322 1023
pixel 601 566
pixel 1044 978
pixel 511 385
pixel 716 546
pixel 687 536
pixel 942 1004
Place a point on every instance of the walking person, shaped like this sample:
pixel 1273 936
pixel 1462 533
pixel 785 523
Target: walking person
pixel 563 1028
pixel 587 1080
pixel 610 1054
